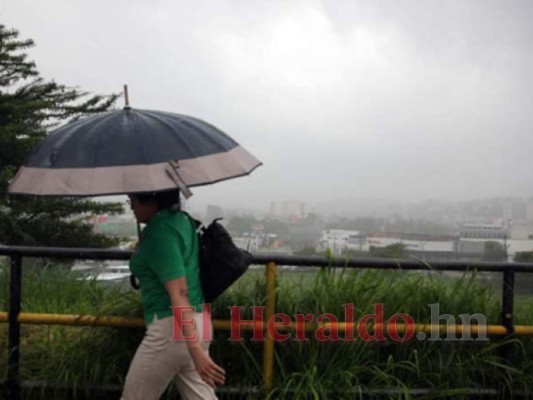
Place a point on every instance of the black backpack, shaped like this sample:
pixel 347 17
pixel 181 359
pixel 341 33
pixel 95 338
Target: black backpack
pixel 221 262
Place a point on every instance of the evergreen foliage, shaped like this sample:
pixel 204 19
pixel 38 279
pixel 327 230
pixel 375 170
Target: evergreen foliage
pixel 29 107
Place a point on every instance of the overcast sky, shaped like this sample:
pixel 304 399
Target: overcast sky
pixel 339 99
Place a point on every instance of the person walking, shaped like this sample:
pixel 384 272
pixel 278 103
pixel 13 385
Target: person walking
pixel 166 263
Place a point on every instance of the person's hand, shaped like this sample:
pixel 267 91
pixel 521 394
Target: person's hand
pixel 209 371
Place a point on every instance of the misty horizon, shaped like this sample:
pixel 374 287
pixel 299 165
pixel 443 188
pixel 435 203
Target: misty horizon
pixel 403 101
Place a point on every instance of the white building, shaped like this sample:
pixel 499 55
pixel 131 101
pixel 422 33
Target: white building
pixel 337 240
pixel 484 231
pixel 521 231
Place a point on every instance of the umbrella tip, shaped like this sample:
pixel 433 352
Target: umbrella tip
pixel 126 98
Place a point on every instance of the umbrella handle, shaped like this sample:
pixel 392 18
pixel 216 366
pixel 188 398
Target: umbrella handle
pixel 172 171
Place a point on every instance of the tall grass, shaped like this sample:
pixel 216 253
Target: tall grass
pixel 319 368
pixel 346 369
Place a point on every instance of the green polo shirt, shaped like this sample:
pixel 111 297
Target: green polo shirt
pixel 168 250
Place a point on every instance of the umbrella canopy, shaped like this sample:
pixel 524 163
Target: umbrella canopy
pixel 131 151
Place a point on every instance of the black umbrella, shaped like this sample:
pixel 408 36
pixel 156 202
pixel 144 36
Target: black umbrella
pixel 131 151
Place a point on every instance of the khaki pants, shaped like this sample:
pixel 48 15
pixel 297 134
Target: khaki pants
pixel 159 360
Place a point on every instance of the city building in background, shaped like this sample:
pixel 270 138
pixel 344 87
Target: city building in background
pixel 479 230
pixel 290 210
pixel 484 231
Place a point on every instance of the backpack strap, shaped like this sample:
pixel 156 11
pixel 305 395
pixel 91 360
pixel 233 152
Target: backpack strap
pixel 198 228
pixel 197 225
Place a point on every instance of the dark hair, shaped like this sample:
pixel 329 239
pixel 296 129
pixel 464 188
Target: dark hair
pixel 164 200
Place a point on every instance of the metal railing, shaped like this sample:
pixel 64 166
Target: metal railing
pixel 15 318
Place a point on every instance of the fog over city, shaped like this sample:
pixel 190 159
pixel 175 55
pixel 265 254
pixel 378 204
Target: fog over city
pixel 397 100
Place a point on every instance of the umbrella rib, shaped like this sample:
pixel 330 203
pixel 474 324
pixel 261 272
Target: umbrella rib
pixel 74 135
pixel 181 141
pixel 143 149
pixel 100 134
pixel 211 182
pixel 192 124
pixel 207 137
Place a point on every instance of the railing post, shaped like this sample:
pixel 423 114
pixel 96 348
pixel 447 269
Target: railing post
pixel 268 349
pixel 508 300
pixel 508 308
pixel 15 291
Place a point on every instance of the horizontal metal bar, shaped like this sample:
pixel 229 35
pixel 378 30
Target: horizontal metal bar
pixel 36 384
pixel 124 322
pixel 101 321
pixel 388 263
pixel 298 261
pixel 225 390
pixel 66 252
pixel 76 320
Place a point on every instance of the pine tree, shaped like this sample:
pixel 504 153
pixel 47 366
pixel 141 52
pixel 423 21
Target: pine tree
pixel 29 107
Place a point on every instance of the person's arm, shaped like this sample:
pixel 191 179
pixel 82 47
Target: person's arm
pixel 210 372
